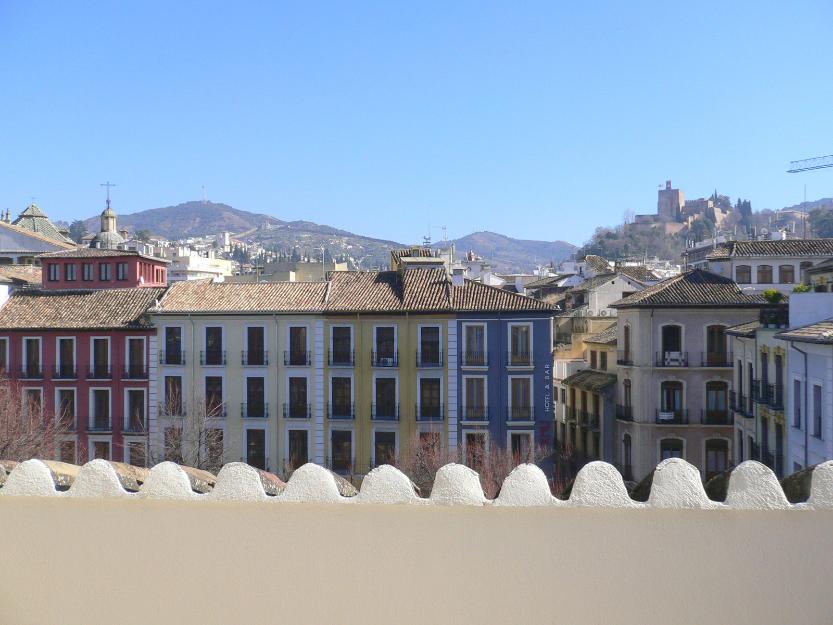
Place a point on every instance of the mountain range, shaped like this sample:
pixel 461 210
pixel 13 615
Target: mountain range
pixel 201 218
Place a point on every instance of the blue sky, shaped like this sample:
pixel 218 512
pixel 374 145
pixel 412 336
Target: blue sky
pixel 538 120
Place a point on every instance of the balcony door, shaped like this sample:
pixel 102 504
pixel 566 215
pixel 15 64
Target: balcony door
pixel 213 346
pixel 672 343
pixel 429 345
pixel 717 410
pixel 298 345
pixel 298 397
pixel 430 402
pixel 255 345
pixel 520 337
pixel 385 399
pixel 173 345
pixel 475 347
pixel 136 357
pixel 520 394
pixel 475 398
pixel 255 397
pixel 101 358
pixel 716 346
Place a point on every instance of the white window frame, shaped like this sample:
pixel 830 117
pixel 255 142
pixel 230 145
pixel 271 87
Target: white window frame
pixel 4 348
pixel 126 412
pixel 395 327
pixel 93 339
pixel 57 400
pixel 658 449
pixel 24 391
pixel 245 339
pixel 257 373
pixel 509 326
pixel 730 449
pixel 223 340
pixel 127 340
pixel 509 403
pixel 295 373
pixel 307 348
pixel 381 427
pixel 70 269
pixel 91 404
pixel 25 350
pixel 130 439
pixel 339 373
pixel 215 373
pixel 386 375
pixel 352 335
pixel 485 379
pixel 68 439
pixel 484 431
pixel 526 432
pixel 439 326
pixel 58 361
pixel 163 342
pixel 92 440
pixel 431 376
pixel 485 327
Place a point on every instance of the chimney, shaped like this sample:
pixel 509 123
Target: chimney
pixel 667 185
pixel 457 277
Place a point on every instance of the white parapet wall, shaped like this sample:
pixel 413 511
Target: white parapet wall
pixel 98 554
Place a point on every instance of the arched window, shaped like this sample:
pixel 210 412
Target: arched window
pixel 717 410
pixel 743 274
pixel 670 448
pixel 717 456
pixel 786 274
pixel 716 347
pixel 627 459
pixel 625 357
pixel 764 274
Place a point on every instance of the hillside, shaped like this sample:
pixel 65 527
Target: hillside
pixel 211 218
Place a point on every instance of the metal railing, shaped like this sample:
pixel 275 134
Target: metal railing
pixel 213 358
pixel 520 413
pixel 172 358
pixel 295 358
pixel 429 412
pixel 716 417
pixel 100 425
pixel 759 392
pixel 624 413
pixel 341 411
pixel 385 360
pixel 297 411
pixel 475 358
pixel 135 426
pixel 671 359
pixel 432 358
pixel 624 357
pixel 257 410
pixel 31 372
pixel 173 409
pixel 716 359
pixel 519 359
pixel 384 412
pixel 133 372
pixel 340 358
pixel 775 396
pixel 216 410
pixel 99 372
pixel 741 404
pixel 258 358
pixel 671 417
pixel 65 372
pixel 475 413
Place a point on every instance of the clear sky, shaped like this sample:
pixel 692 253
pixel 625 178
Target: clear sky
pixel 537 120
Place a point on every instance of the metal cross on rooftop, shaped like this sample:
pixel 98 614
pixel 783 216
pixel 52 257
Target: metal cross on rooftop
pixel 108 184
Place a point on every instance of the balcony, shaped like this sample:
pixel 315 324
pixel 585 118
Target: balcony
pixel 213 358
pixel 759 392
pixel 671 359
pixel 741 404
pixel 254 410
pixel 571 414
pixel 100 426
pixel 519 359
pixel 384 412
pixel 32 371
pixel 135 372
pixel 297 358
pixel 339 411
pixel 173 409
pixel 65 372
pixel 671 417
pixel 475 359
pixel 429 412
pixel 172 358
pixel 429 359
pixel 297 411
pixel 716 417
pixel 716 359
pixel 624 413
pixel 66 423
pixel 775 396
pixel 216 410
pixel 384 359
pixel 520 413
pixel 135 426
pixel 258 358
pixel 341 358
pixel 475 413
pixel 624 358
pixel 100 372
pixel 588 420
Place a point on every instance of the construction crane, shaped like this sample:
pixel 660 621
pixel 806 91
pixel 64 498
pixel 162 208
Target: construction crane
pixel 808 164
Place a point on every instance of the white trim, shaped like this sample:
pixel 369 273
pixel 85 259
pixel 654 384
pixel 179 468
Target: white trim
pixel 465 378
pixel 93 339
pixel 487 439
pixel 256 373
pixel 223 341
pixel 245 341
pixel 341 373
pixel 307 348
pixel 388 428
pixel 128 440
pixel 56 406
pixel 24 390
pixel 126 404
pixel 296 373
pixel 440 340
pixel 91 406
pixel 730 448
pixel 524 432
pixel 531 378
pixel 98 438
pixel 352 337
pixel 486 355
pixel 25 352
pixel 144 340
pixel 182 342
pixel 431 375
pixel 58 361
pixel 509 326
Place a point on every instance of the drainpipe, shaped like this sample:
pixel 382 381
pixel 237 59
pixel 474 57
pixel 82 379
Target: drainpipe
pixel 806 411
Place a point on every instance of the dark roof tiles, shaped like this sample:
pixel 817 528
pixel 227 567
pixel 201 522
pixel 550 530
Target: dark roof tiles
pixel 778 247
pixel 693 288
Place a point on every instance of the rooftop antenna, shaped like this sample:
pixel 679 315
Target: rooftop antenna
pixel 108 184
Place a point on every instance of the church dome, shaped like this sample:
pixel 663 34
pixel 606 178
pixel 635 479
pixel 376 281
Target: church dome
pixel 107 240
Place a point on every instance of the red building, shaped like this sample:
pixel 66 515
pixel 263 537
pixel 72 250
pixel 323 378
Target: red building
pixel 80 349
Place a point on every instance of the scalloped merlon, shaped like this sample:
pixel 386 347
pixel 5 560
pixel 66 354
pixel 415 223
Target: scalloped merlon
pixel 753 486
pixel 526 485
pixel 457 485
pixel 387 484
pixel 600 484
pixel 821 488
pixel 677 484
pixel 167 481
pixel 97 478
pixel 311 484
pixel 31 478
pixel 237 481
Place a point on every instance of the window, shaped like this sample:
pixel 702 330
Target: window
pixel 173 346
pixel 670 448
pixel 764 274
pixel 173 444
pixel 384 448
pixel 214 396
pixel 255 346
pixel 298 406
pixel 32 358
pixel 173 395
pixel 136 358
pixel 603 361
pixel 475 450
pixel 4 355
pixel 474 354
pixel 671 401
pixel 593 361
pixel 136 454
pixel 796 403
pixel 298 448
pixel 69 272
pixel 214 354
pixel 786 274
pixel 66 358
pixel 716 347
pixel 430 353
pixel 521 446
pixel 105 271
pixel 342 348
pixel 777 400
pixel 520 353
pixel 341 449
pixel 672 344
pixel 385 342
pixel 520 396
pixel 87 272
pixel 743 274
pixel 626 343
pixel 717 456
pixel 298 346
pixel 626 393
pixel 716 409
pixel 65 410
pixel 54 272
pixel 341 398
pixel 430 402
pixel 101 358
pixel 384 406
pixel 100 418
pixel 136 410
pixel 255 405
pixel 67 452
pixel 121 271
pixel 816 410
pixel 32 402
pixel 474 408
pixel 101 449
pixel 256 448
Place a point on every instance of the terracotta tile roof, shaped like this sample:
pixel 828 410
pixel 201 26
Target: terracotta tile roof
pixel 411 252
pixel 542 282
pixel 746 330
pixel 35 220
pixel 590 380
pixel 37 309
pixel 476 296
pixel 638 272
pixel 819 332
pixel 780 247
pixel 29 274
pixel 204 296
pixel 96 252
pixel 605 337
pixel 42 238
pixel 598 264
pixel 693 288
